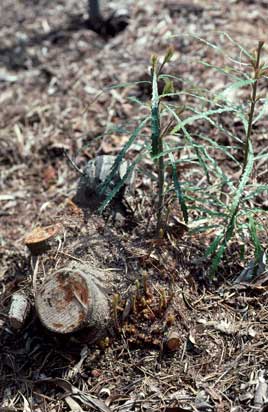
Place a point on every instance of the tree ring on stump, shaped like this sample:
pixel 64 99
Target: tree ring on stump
pixel 70 300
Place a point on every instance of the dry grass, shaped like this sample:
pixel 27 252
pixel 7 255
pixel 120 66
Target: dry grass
pixel 48 103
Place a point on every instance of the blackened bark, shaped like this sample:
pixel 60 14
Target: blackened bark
pixel 110 27
pixel 94 10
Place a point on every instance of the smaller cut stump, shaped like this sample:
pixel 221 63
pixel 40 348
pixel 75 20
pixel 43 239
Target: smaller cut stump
pixel 19 310
pixel 73 298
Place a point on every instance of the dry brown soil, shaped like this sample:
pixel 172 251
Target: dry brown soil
pixel 54 75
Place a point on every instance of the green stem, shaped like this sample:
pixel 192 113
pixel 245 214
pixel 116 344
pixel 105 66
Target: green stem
pixel 157 144
pixel 161 171
pixel 253 102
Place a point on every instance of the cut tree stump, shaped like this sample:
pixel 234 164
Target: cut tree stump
pixel 95 173
pixel 19 310
pixel 73 298
pixel 41 238
pixel 173 341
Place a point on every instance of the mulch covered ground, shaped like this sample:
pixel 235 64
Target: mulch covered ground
pixel 54 80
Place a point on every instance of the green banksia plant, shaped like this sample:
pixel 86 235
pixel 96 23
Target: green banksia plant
pixel 221 203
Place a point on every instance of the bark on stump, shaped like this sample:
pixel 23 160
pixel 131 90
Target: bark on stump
pixel 73 298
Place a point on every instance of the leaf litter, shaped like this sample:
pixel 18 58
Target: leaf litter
pixel 54 97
